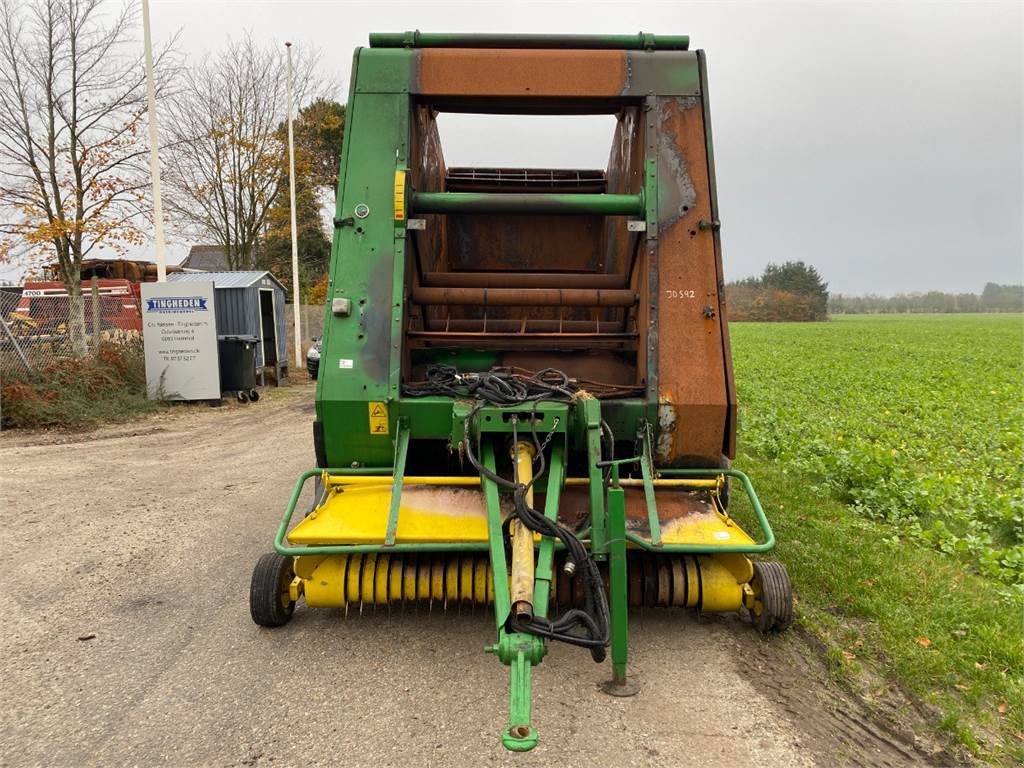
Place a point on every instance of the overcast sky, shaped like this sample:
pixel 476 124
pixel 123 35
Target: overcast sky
pixel 881 142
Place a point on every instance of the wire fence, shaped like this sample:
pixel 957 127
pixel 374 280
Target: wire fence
pixel 38 329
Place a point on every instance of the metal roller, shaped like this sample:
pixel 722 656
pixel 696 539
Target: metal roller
pixel 453 580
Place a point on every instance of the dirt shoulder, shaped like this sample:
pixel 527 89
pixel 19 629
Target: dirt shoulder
pixel 127 558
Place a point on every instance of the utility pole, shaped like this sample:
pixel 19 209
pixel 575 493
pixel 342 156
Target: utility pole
pixel 295 238
pixel 154 156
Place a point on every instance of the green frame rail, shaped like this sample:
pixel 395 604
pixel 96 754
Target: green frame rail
pixel 703 549
pixel 639 41
pixel 571 203
pixel 281 547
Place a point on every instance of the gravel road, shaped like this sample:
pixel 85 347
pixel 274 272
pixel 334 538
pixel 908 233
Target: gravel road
pixel 126 560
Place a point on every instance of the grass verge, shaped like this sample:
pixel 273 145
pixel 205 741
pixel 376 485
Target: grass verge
pixel 78 393
pixel 897 614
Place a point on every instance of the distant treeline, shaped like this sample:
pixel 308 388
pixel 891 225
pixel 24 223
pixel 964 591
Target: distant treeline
pixel 994 298
pixel 795 292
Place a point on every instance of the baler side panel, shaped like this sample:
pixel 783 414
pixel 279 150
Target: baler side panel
pixel 360 351
pixel 693 392
pixel 729 446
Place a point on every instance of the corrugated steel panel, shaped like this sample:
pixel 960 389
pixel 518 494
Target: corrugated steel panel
pixel 233 311
pixel 282 331
pixel 226 279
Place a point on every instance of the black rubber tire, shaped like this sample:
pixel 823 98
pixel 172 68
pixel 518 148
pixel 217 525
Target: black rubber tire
pixel 254 395
pixel 242 396
pixel 269 602
pixel 318 495
pixel 723 495
pixel 775 594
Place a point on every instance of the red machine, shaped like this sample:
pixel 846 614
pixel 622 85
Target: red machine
pixel 44 304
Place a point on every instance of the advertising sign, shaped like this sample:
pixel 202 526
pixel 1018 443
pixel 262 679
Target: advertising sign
pixel 179 330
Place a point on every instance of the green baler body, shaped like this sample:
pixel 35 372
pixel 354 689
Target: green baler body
pixel 364 358
pixel 612 277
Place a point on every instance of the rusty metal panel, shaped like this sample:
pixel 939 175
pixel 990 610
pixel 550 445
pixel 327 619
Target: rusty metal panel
pixel 625 176
pixel 665 73
pixel 693 397
pixel 524 243
pixel 730 428
pixel 521 73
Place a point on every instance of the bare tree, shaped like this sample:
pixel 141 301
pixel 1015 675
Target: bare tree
pixel 73 173
pixel 225 154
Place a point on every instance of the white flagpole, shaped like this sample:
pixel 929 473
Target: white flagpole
pixel 295 239
pixel 154 156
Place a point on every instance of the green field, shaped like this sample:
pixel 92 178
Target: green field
pixel 889 455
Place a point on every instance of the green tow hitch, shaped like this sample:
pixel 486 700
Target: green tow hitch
pixel 519 652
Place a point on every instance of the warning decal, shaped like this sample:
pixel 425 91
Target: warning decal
pixel 378 418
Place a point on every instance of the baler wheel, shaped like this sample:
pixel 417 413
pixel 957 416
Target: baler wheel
pixel 319 494
pixel 773 597
pixel 723 495
pixel 242 396
pixel 254 395
pixel 270 602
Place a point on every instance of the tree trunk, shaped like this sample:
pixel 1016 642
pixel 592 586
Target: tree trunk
pixel 76 317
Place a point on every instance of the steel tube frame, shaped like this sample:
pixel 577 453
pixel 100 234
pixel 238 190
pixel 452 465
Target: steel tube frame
pixel 564 203
pixel 459 480
pixel 597 542
pixel 702 549
pixel 637 42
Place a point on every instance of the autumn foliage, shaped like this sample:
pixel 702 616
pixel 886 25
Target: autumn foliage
pixel 79 392
pixel 790 292
pixel 759 304
pixel 317 294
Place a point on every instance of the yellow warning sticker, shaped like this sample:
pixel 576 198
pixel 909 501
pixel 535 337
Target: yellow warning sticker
pixel 399 195
pixel 378 418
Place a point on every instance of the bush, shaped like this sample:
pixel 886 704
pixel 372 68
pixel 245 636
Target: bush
pixel 754 303
pixel 790 292
pixel 80 392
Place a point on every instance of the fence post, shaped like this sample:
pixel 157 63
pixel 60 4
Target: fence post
pixel 95 285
